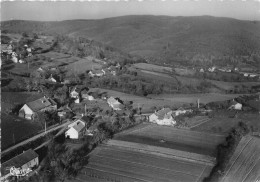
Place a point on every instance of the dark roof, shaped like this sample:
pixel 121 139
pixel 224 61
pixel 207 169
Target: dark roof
pixel 161 114
pixel 79 127
pixel 18 161
pixel 41 103
pixel 85 119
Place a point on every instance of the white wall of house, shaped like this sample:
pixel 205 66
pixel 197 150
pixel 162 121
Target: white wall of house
pixel 238 106
pixel 153 117
pixel 28 112
pixel 30 164
pixel 72 133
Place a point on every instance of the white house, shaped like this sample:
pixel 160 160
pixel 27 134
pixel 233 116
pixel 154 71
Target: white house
pixel 87 97
pixel 114 103
pixel 235 105
pixel 74 92
pixel 52 79
pixel 77 100
pixel 29 110
pixel 212 69
pixel 97 73
pixel 162 117
pixel 202 70
pixel 77 128
pixel 23 161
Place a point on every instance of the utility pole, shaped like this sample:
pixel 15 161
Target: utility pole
pixel 13 138
pixel 45 127
pixel 198 103
pixel 85 110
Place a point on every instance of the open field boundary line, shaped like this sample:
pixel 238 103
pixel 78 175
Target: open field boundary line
pixel 149 165
pixel 207 120
pixel 250 170
pixel 201 173
pixel 223 179
pixel 114 174
pixel 183 155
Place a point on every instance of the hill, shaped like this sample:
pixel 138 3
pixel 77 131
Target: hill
pixel 161 38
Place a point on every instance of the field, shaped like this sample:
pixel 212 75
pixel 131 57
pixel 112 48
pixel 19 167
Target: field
pixel 193 98
pixel 138 101
pixel 196 121
pixel 185 140
pixel 222 123
pixel 15 128
pixel 111 163
pixel 152 67
pixel 83 65
pixel 150 70
pixel 244 165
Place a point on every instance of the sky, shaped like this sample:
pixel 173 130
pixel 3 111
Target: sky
pixel 67 10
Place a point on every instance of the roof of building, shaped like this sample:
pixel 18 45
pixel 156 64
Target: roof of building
pixel 113 101
pixel 18 161
pixel 79 127
pixel 97 72
pixel 40 104
pixel 161 113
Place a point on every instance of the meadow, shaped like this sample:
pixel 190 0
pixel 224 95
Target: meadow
pixel 179 139
pixel 147 104
pixel 223 123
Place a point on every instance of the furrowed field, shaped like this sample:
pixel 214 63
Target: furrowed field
pixel 244 164
pixel 185 140
pixel 110 163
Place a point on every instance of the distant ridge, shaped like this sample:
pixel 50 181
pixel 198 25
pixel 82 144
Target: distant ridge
pixel 158 37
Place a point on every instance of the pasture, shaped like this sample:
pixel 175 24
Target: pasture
pixel 178 139
pixel 223 123
pixel 82 65
pixel 193 98
pixel 111 163
pixel 196 121
pixel 145 103
pixel 244 164
pixel 152 67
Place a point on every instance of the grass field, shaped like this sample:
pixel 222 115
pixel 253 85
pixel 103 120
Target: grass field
pixel 222 123
pixel 244 165
pixel 185 140
pixel 138 101
pixel 196 121
pixel 110 163
pixel 193 98
pixel 15 129
pixel 152 67
pixel 83 65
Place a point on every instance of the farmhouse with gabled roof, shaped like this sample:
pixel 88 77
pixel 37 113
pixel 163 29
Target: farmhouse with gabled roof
pixel 114 103
pixel 25 160
pixel 30 109
pixel 162 117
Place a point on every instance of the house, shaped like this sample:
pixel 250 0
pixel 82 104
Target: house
pixel 235 105
pixel 5 48
pixel 162 117
pixel 40 69
pixel 51 79
pixel 78 128
pixel 252 75
pixel 212 69
pixel 87 97
pixel 76 131
pixel 202 70
pixel 97 73
pixel 181 111
pixel 77 100
pixel 74 92
pixel 114 103
pixel 29 110
pixel 23 162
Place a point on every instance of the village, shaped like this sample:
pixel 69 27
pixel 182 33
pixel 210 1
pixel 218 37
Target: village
pixel 75 109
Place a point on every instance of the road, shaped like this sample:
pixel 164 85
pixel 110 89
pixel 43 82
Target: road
pixel 35 137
